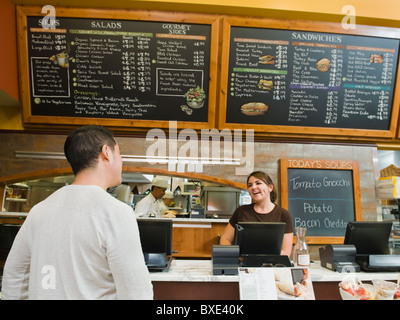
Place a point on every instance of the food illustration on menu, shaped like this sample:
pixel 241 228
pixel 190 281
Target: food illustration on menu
pixel 323 64
pixel 195 99
pixel 298 78
pixel 120 69
pixel 254 109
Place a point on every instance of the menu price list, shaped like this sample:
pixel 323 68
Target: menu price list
pixel 296 78
pixel 118 69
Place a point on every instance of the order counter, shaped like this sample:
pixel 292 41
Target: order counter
pixel 194 280
pixel 195 237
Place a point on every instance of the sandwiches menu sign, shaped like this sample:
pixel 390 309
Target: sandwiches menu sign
pixel 311 79
pixel 122 69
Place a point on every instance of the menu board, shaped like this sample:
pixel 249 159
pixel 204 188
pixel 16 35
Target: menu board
pixel 321 200
pixel 120 69
pixel 301 78
pixel 321 195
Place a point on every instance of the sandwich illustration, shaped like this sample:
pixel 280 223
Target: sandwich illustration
pixel 265 84
pixel 323 64
pixel 267 59
pixel 376 58
pixel 254 109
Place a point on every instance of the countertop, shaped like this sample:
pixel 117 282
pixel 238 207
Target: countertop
pixel 191 220
pixel 201 271
pixel 188 220
pixel 13 214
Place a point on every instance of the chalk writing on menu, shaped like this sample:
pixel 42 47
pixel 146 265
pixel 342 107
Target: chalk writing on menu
pixel 296 78
pixel 119 69
pixel 321 200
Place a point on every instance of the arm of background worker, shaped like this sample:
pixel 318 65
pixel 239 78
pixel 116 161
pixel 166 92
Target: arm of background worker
pixel 15 282
pixel 141 209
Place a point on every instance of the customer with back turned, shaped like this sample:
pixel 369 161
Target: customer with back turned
pixel 80 242
pixel 262 209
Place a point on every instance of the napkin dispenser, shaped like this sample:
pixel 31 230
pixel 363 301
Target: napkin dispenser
pixel 340 258
pixel 225 259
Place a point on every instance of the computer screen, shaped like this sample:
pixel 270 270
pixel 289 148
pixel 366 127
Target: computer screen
pixel 223 203
pixel 259 237
pixel 8 233
pixel 156 236
pixel 369 237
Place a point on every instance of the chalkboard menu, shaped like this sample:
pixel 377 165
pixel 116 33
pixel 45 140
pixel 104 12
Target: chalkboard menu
pixel 120 69
pixel 321 195
pixel 301 78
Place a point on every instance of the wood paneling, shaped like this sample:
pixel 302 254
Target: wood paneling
pixel 195 241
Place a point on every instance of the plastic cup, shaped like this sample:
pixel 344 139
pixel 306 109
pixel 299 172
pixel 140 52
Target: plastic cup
pixel 366 292
pixel 384 289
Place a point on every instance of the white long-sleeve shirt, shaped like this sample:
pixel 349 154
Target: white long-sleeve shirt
pixel 79 243
pixel 148 205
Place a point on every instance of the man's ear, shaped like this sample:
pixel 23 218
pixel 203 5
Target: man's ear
pixel 106 152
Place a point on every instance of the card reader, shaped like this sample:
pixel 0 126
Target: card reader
pixel 225 259
pixel 340 258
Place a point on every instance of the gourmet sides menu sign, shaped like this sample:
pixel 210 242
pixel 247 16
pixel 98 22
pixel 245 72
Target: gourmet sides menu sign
pixel 312 79
pixel 119 69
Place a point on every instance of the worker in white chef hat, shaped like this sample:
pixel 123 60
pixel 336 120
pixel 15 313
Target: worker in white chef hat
pixel 150 205
pixel 166 200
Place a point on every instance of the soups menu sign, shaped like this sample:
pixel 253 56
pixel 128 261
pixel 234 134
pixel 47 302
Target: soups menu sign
pixel 310 79
pixel 321 195
pixel 122 69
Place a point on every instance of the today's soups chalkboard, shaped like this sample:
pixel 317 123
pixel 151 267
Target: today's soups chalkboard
pixel 120 68
pixel 308 78
pixel 321 195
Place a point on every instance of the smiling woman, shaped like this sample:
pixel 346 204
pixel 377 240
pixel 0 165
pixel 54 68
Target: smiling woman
pixel 263 209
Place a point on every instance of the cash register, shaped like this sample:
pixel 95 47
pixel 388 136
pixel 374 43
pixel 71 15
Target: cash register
pixel 260 244
pixel 365 247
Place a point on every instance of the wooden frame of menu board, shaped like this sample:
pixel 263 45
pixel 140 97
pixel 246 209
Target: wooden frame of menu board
pixel 126 69
pixel 321 195
pixel 248 77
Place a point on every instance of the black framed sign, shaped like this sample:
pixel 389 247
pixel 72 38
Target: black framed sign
pixel 119 65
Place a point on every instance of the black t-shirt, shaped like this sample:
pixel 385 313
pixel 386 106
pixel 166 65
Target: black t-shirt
pixel 246 213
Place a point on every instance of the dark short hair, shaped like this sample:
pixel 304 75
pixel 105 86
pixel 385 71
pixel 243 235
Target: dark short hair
pixel 83 146
pixel 267 180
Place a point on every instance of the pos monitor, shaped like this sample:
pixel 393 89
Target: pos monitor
pixel 260 243
pixel 8 232
pixel 369 237
pixel 156 240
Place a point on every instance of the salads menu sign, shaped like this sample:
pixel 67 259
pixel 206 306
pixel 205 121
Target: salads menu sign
pixel 121 69
pixel 310 79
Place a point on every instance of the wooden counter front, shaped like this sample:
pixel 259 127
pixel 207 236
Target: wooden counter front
pixel 195 237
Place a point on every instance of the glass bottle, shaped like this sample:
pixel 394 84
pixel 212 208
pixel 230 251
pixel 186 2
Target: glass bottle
pixel 301 253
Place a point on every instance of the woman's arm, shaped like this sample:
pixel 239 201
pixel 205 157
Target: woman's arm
pixel 228 236
pixel 287 244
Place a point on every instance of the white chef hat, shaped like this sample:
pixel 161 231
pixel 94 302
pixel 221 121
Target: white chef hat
pixel 161 182
pixel 168 195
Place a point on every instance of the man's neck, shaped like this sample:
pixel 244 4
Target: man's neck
pixel 90 177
